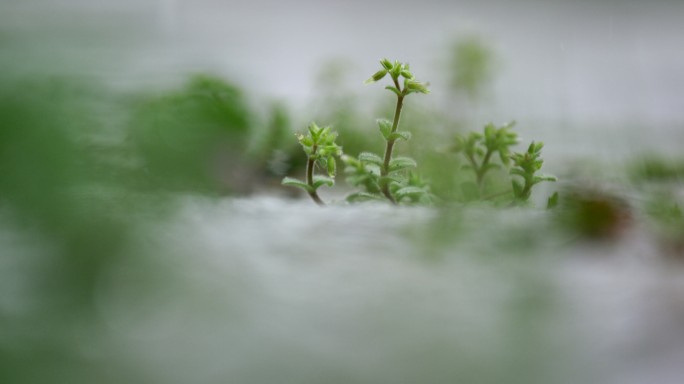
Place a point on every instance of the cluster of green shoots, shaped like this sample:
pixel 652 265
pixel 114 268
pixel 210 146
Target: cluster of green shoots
pixel 490 152
pixel 392 178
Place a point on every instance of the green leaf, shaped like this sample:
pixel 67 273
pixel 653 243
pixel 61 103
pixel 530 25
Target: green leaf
pixel 364 196
pixel 332 166
pixel 504 155
pixel 518 171
pixel 489 131
pixel 368 157
pixel 552 202
pixel 314 130
pixel 320 180
pixel 517 188
pixel 390 179
pixel 490 166
pixel 385 127
pixel 393 89
pixel 306 141
pixel 403 135
pixel 541 178
pixel 291 182
pixel 399 163
pixel 410 190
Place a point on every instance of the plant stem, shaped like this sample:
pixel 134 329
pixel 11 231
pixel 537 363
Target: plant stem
pixel 390 144
pixel 480 171
pixel 310 164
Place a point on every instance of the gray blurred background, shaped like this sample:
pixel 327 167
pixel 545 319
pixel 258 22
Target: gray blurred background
pixel 571 72
pixel 612 61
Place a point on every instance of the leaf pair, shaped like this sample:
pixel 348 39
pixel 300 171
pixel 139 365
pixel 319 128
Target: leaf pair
pixel 318 181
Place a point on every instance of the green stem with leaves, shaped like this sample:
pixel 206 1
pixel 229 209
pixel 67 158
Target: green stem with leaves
pixel 396 71
pixel 320 148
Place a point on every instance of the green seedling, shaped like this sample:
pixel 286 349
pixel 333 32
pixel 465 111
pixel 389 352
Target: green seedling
pixel 491 151
pixel 321 150
pixel 526 165
pixel 385 175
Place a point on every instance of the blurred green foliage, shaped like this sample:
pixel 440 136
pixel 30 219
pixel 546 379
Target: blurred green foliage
pixel 83 171
pixel 470 66
pixel 195 138
pixel 54 190
pixel 657 168
pixel 667 218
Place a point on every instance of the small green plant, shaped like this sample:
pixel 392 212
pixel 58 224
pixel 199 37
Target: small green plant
pixel 321 150
pixel 386 175
pixel 526 165
pixel 481 151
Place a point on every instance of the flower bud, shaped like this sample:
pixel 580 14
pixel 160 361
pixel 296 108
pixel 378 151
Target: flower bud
pixel 377 76
pixel 416 86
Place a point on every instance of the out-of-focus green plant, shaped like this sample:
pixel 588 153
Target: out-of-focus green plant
pixel 526 165
pixel 62 191
pixel 656 168
pixel 668 217
pixel 321 150
pixel 194 139
pixel 470 67
pixel 480 150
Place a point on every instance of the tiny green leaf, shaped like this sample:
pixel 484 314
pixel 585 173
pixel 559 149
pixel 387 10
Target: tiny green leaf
pixel 292 182
pixel 410 190
pixel 369 157
pixel 385 128
pixel 363 196
pixel 517 188
pixel 518 171
pixel 403 135
pixel 540 178
pixel 332 166
pixel 319 180
pixel 399 163
pixel 393 89
pixel 552 202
